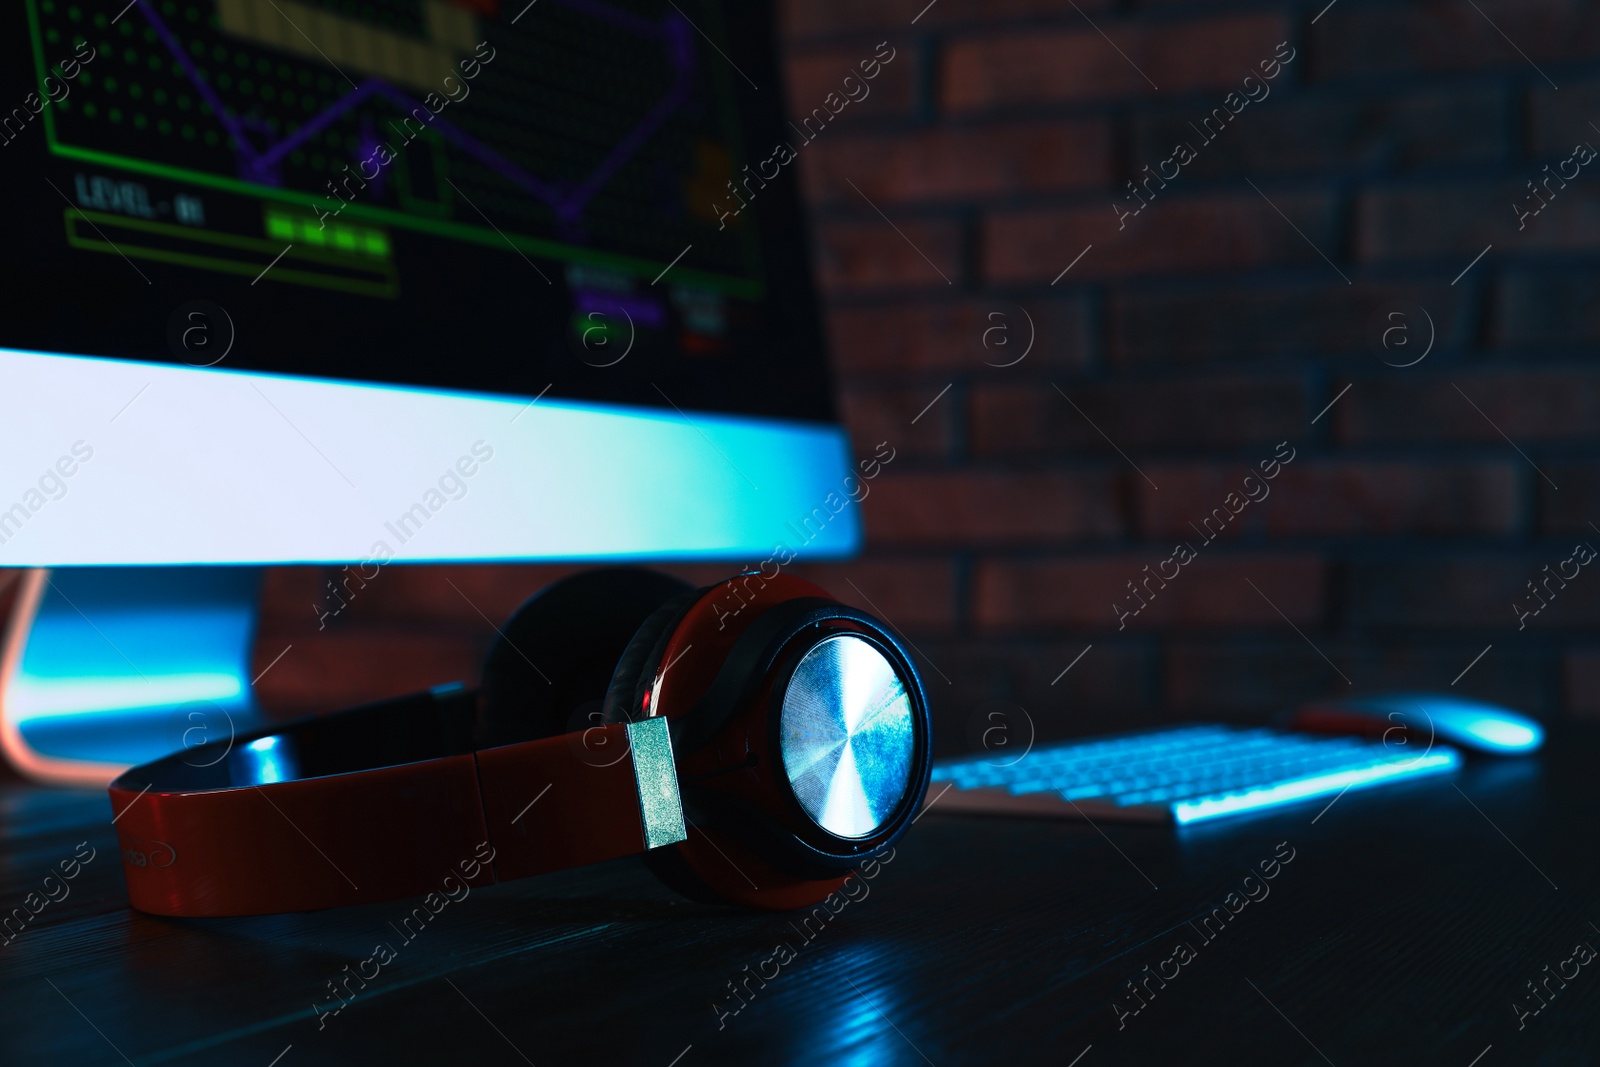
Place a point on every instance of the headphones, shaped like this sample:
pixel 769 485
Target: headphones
pixel 755 740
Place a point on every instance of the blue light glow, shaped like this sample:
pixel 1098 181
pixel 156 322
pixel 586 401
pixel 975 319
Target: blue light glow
pixel 264 760
pixel 1456 720
pixel 1481 725
pixel 1439 761
pixel 130 663
pixel 34 697
pixel 550 479
pixel 1502 734
pixel 135 639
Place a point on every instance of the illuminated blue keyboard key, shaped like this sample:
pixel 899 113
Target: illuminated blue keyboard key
pixel 1183 775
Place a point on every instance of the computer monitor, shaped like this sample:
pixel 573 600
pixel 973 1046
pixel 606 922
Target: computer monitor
pixel 378 283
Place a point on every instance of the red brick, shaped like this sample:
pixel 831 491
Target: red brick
pixel 1570 509
pixel 474 597
pixel 287 594
pixel 955 335
pixel 1385 130
pixel 886 414
pixel 411 593
pixel 1239 321
pixel 1029 418
pixel 1249 678
pixel 1018 686
pixel 810 18
pixel 1546 307
pixel 1009 12
pixel 411 628
pixel 1581 681
pixel 1244 679
pixel 812 75
pixel 1346 498
pixel 1211 590
pixel 1475 590
pixel 1171 235
pixel 356 664
pixel 871 255
pixel 1528 405
pixel 1461 219
pixel 1079 64
pixel 1383 39
pixel 957 163
pixel 915 595
pixel 977 506
pixel 1558 120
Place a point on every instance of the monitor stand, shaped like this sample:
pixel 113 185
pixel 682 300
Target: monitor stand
pixel 102 668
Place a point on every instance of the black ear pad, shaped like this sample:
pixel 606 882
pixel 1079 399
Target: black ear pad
pixel 641 656
pixel 674 872
pixel 548 671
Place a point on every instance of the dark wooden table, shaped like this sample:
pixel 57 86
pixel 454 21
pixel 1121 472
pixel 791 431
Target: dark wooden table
pixel 1404 930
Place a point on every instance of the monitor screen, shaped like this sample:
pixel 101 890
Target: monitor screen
pixel 279 274
pixel 494 196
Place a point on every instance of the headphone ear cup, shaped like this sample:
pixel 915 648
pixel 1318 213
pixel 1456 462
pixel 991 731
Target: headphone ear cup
pixel 548 670
pixel 673 871
pixel 623 704
pixel 641 656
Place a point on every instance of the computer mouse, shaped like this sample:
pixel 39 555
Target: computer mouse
pixel 1419 718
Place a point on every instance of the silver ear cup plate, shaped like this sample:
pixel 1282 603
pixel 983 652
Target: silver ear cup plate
pixel 847 736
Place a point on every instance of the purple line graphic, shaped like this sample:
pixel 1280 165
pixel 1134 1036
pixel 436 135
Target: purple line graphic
pixel 261 165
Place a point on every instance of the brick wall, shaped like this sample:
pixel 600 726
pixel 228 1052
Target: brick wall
pixel 1172 359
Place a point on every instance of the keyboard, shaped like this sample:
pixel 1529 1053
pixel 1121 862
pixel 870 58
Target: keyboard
pixel 1183 775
